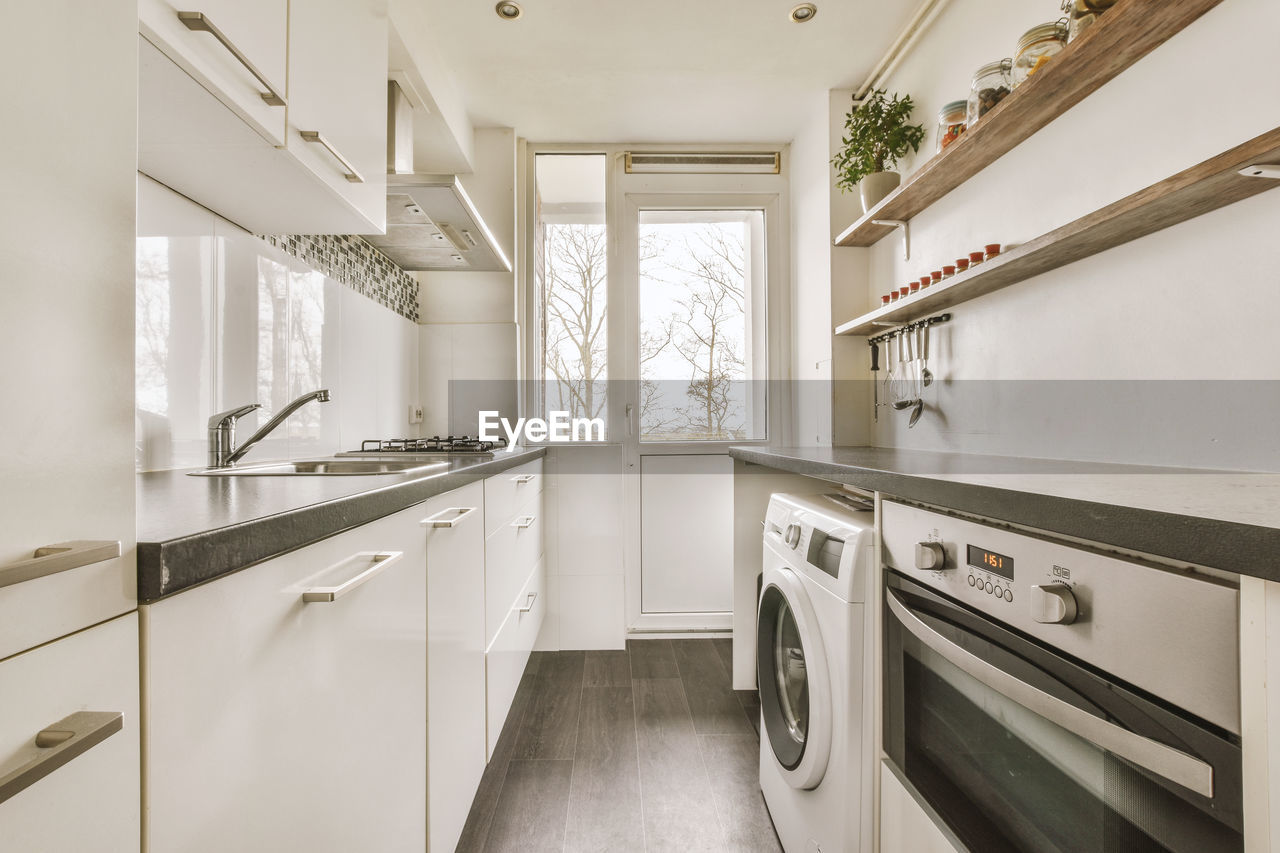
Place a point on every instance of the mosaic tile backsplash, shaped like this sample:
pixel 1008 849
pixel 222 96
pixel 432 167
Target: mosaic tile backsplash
pixel 358 265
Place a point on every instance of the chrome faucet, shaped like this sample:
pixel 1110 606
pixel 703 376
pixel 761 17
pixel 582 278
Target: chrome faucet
pixel 222 429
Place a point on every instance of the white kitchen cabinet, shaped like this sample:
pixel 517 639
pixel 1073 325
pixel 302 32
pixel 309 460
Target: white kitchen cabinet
pixel 338 100
pixel 508 654
pixel 454 525
pixel 515 584
pixel 279 723
pixel 204 133
pixel 90 803
pixel 234 43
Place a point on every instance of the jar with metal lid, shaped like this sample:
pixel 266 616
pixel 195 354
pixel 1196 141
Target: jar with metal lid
pixel 991 85
pixel 951 123
pixel 1036 47
pixel 1082 13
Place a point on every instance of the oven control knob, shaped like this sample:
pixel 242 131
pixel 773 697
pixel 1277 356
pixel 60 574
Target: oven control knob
pixel 1053 603
pixel 930 556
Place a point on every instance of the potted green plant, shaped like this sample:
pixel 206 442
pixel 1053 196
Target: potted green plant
pixel 876 136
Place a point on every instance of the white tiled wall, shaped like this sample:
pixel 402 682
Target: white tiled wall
pixel 225 319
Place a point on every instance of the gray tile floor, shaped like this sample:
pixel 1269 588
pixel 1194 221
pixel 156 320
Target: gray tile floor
pixel 648 749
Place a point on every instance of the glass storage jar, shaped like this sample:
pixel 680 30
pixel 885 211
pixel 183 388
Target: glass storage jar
pixel 951 123
pixel 1081 13
pixel 991 84
pixel 1036 47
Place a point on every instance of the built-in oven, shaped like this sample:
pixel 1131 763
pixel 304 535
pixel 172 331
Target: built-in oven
pixel 1040 696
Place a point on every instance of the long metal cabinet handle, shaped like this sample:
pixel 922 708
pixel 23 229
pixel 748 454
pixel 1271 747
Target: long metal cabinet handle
pixel 524 521
pixel 52 559
pixel 315 136
pixel 379 559
pixel 450 517
pixel 198 22
pixel 55 746
pixel 528 603
pixel 1165 761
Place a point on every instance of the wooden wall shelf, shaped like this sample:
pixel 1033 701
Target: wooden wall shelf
pixel 1126 33
pixel 1206 186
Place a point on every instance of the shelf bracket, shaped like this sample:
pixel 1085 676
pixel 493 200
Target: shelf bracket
pixel 906 233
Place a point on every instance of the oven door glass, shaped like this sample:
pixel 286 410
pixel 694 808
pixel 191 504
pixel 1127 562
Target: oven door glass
pixel 1005 777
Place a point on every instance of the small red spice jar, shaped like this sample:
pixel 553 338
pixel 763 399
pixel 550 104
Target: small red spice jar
pixel 948 271
pixel 937 276
pixel 993 249
pixel 885 300
pixel 903 291
pixel 925 280
pixel 893 297
pixel 962 264
pixel 976 258
pixel 915 285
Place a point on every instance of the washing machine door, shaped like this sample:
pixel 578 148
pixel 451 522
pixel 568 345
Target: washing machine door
pixel 795 690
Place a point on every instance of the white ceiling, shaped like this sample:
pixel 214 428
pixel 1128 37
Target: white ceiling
pixel 656 70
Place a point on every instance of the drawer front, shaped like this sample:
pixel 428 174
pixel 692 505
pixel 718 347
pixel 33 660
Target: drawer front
pixel 90 803
pixel 250 688
pixel 506 659
pixel 505 493
pixel 509 555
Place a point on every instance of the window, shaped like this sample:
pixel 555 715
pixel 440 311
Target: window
pixel 571 275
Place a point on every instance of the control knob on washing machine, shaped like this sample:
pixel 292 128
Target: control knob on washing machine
pixel 1053 603
pixel 792 535
pixel 930 556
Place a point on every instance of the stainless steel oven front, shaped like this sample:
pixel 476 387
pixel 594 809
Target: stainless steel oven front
pixel 1045 697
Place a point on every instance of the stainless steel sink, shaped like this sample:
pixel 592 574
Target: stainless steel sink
pixel 325 467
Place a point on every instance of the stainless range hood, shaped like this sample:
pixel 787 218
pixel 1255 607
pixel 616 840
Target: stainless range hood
pixel 431 222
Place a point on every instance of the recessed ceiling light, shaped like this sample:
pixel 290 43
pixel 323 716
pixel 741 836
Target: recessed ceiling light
pixel 804 12
pixel 508 10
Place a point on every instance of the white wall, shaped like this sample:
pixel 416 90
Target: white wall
pixel 209 338
pixel 1195 301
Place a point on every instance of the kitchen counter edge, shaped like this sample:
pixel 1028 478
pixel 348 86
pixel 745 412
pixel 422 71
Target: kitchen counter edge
pixel 1236 547
pixel 171 565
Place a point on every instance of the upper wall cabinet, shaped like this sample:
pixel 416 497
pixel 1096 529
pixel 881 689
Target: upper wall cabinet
pixel 235 49
pixel 270 113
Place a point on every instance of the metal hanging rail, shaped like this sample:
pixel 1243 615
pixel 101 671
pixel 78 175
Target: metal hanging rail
pixel 907 327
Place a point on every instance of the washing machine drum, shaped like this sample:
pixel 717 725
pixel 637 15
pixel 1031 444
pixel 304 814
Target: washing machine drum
pixel 795 690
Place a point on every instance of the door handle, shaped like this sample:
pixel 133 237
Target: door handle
pixel 450 517
pixel 350 172
pixel 379 560
pixel 198 22
pixel 630 411
pixel 60 557
pixel 56 745
pixel 528 603
pixel 1164 761
pixel 524 522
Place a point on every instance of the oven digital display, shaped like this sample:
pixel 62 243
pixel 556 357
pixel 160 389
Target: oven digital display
pixel 990 561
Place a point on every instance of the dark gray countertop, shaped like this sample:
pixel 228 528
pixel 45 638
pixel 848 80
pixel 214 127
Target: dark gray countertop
pixel 1227 520
pixel 195 529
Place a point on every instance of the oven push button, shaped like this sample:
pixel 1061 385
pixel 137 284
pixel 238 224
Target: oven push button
pixel 972 580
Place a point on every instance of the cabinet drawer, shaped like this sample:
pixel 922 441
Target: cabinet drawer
pixel 506 659
pixel 91 803
pixel 510 553
pixel 505 493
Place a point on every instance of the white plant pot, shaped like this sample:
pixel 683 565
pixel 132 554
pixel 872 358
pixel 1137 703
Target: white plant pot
pixel 874 187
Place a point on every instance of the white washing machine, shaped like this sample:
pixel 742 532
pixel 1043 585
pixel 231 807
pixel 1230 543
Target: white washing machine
pixel 811 647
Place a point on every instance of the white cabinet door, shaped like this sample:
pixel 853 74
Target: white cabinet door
pixel 454 524
pixel 338 101
pixel 90 803
pixel 509 653
pixel 277 723
pixel 237 52
pixel 904 823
